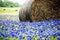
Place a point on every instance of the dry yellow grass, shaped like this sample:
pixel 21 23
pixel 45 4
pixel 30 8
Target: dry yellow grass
pixel 9 11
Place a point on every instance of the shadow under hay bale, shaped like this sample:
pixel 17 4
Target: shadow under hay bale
pixel 41 10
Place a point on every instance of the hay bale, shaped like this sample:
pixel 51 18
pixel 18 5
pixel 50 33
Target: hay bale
pixel 43 10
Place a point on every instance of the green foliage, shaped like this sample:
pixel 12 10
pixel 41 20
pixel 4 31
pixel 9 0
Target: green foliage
pixel 24 38
pixel 13 38
pixel 10 38
pixel 36 37
pixel 8 4
pixel 2 38
pixel 53 38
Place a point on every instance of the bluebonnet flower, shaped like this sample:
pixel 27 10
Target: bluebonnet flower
pixel 29 38
pixel 58 27
pixel 21 37
pixel 58 38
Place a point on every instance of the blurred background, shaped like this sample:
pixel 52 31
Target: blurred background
pixel 9 9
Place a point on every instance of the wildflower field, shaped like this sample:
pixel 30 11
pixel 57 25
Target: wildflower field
pixel 12 29
pixel 15 30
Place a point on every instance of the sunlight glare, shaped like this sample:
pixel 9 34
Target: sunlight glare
pixel 19 1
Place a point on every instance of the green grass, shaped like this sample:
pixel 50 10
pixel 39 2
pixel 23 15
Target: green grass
pixel 34 38
pixel 11 11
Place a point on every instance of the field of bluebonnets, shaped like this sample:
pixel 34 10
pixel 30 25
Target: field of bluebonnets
pixel 15 30
pixel 12 29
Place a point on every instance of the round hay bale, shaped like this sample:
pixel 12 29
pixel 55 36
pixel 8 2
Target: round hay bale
pixel 41 10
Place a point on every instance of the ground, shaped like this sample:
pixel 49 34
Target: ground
pixel 10 11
